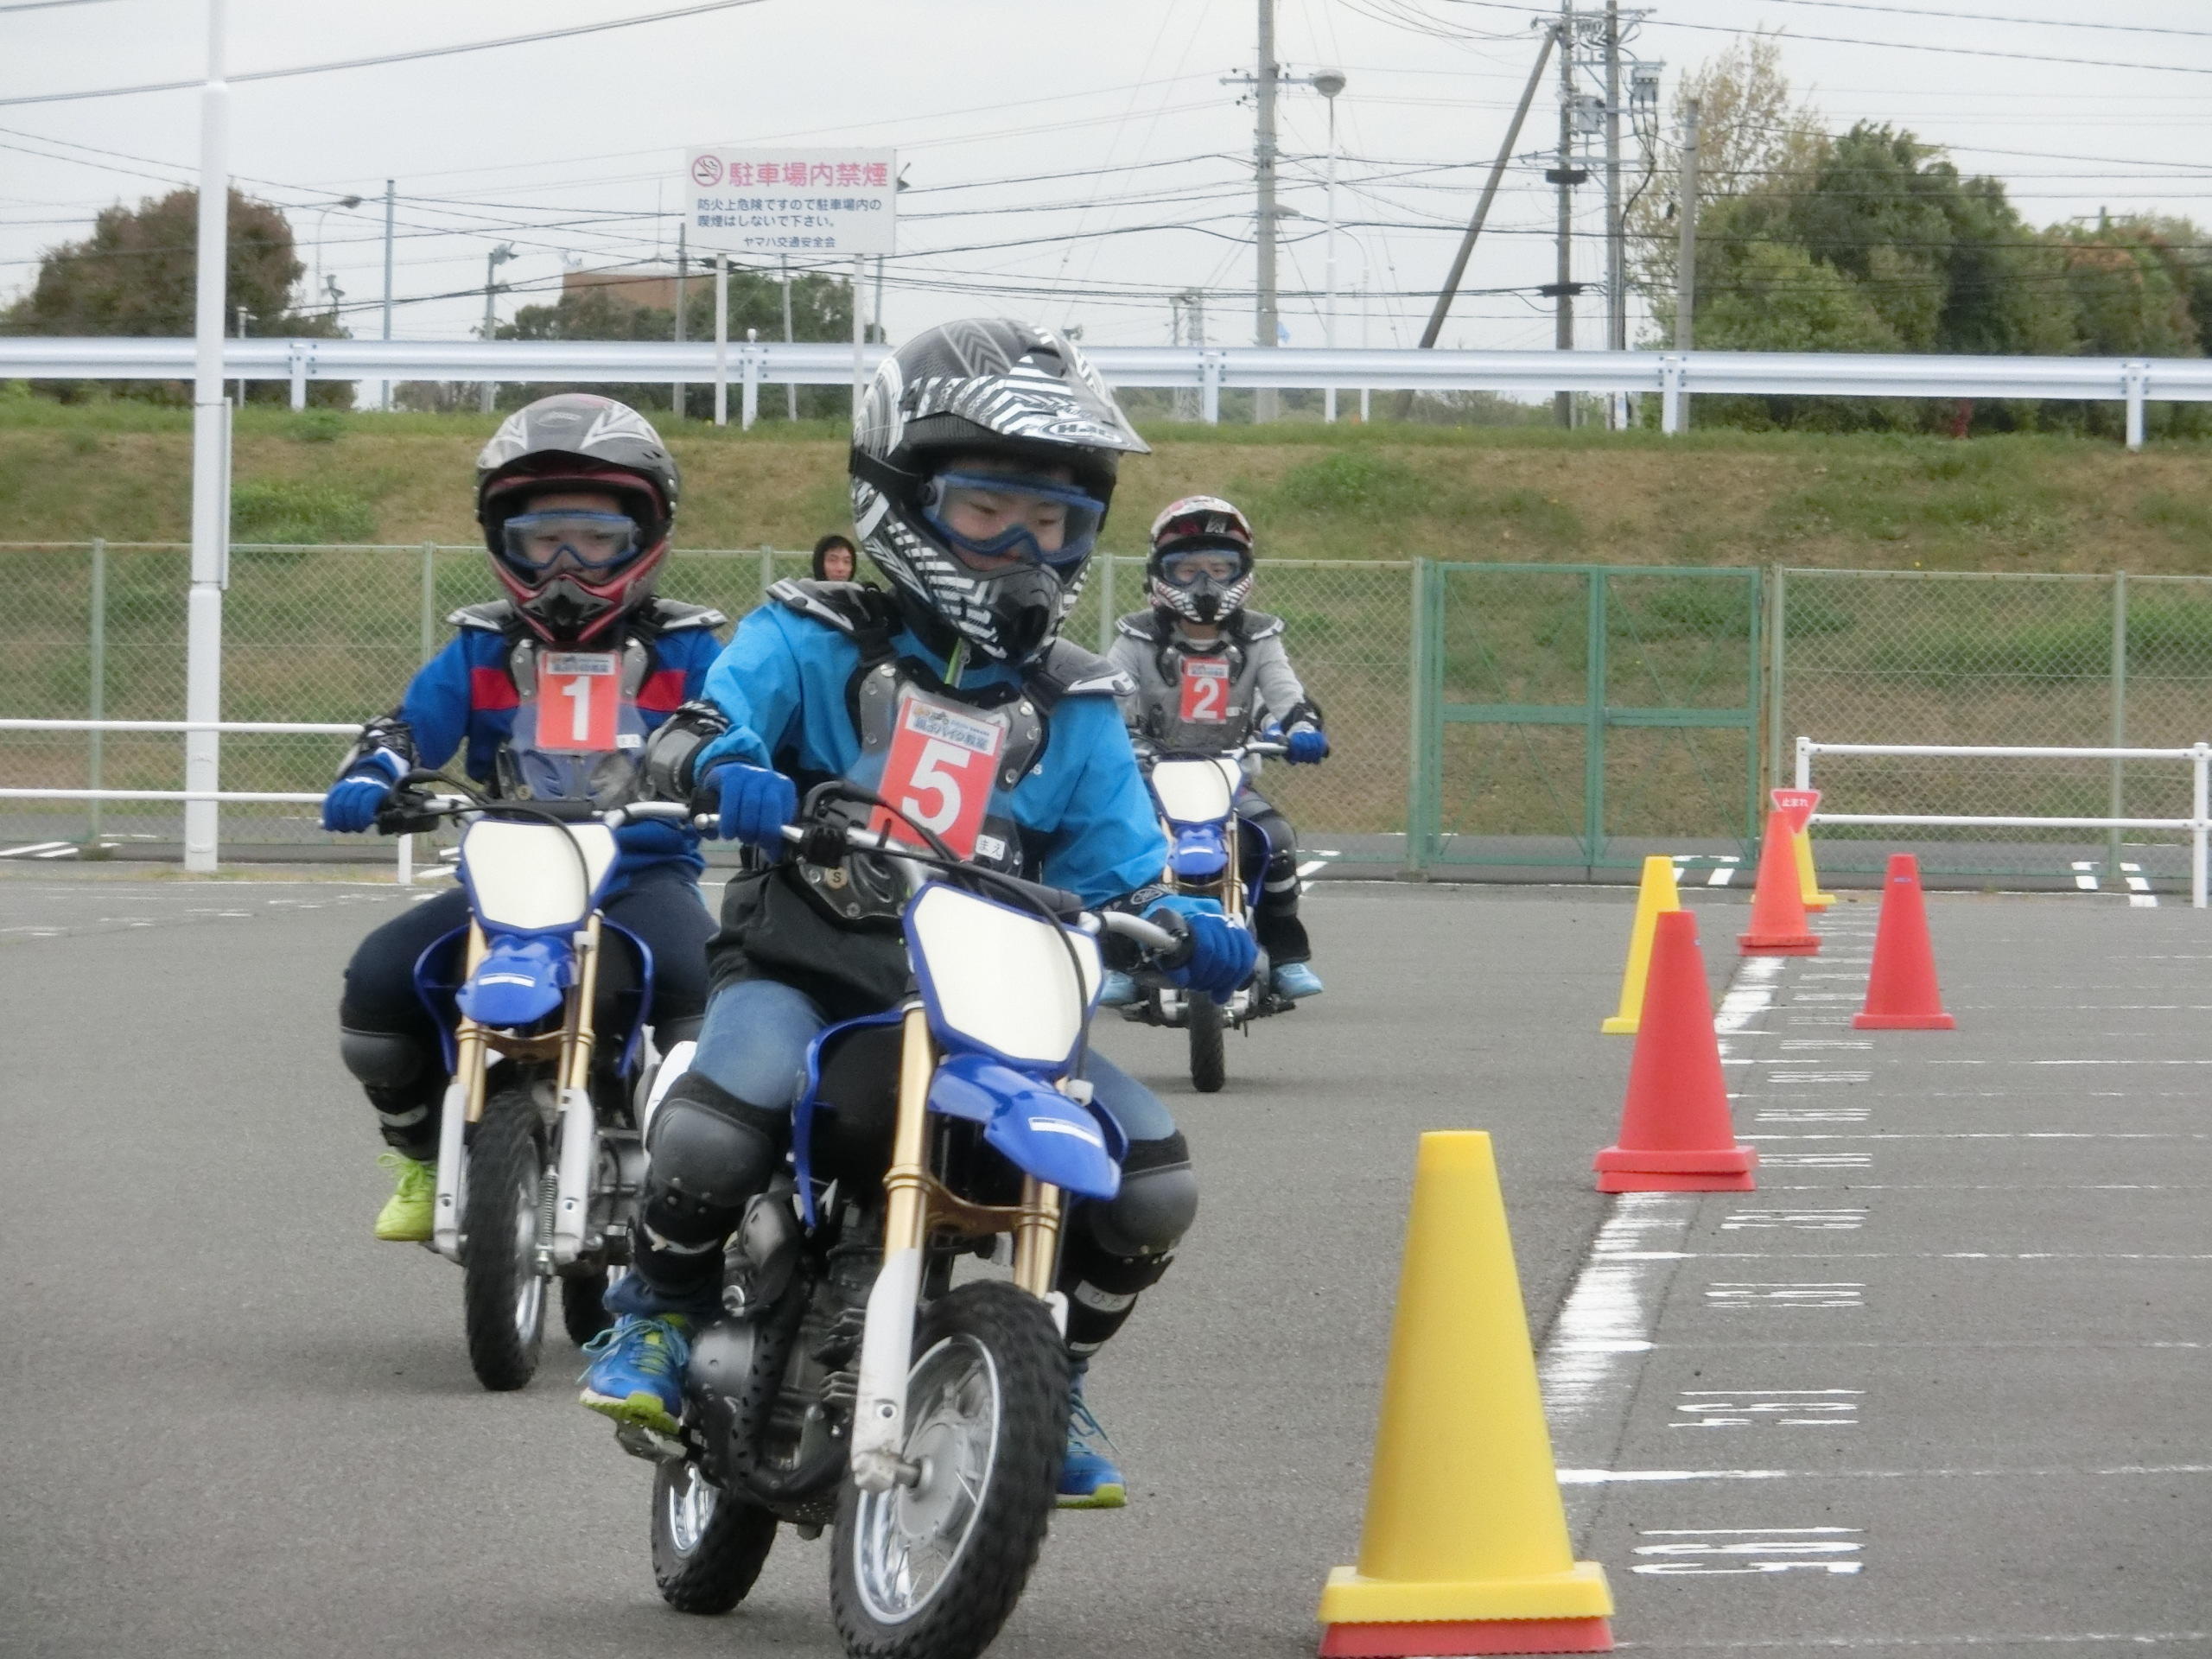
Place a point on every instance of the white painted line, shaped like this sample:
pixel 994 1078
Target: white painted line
pixel 1311 865
pixel 1815 1160
pixel 1722 876
pixel 1778 1549
pixel 1795 1045
pixel 1992 1135
pixel 2136 1638
pixel 2085 876
pixel 31 850
pixel 1629 1477
pixel 1815 1114
pixel 1841 1293
pixel 58 852
pixel 1820 1077
pixel 1767 1409
pixel 1806 1221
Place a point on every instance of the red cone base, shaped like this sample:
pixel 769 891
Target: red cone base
pixel 1629 1171
pixel 1772 944
pixel 1439 1641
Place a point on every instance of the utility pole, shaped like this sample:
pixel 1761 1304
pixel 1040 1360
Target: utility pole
pixel 1565 175
pixel 211 465
pixel 390 201
pixel 1329 83
pixel 487 393
pixel 1686 258
pixel 1187 325
pixel 683 261
pixel 1616 230
pixel 791 387
pixel 1268 324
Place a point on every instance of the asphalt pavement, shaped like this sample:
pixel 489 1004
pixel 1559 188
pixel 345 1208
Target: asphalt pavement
pixel 235 1424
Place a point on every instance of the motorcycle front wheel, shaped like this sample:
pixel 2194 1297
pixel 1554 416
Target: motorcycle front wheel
pixel 930 1570
pixel 1209 1058
pixel 503 1293
pixel 707 1545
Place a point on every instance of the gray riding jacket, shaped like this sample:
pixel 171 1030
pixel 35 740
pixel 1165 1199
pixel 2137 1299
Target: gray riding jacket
pixel 1197 697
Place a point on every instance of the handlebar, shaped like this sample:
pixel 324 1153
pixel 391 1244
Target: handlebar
pixel 409 811
pixel 1148 752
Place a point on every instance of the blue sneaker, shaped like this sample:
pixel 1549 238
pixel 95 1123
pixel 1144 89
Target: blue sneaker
pixel 637 1372
pixel 1116 990
pixel 1090 1478
pixel 1297 979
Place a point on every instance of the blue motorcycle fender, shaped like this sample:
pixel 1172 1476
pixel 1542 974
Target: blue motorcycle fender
pixel 1039 1130
pixel 520 981
pixel 1200 854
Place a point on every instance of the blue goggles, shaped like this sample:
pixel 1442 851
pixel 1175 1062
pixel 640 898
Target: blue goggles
pixel 591 541
pixel 989 520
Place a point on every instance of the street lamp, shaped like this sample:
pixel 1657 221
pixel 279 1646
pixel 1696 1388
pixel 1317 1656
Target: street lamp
pixel 492 261
pixel 1329 83
pixel 320 214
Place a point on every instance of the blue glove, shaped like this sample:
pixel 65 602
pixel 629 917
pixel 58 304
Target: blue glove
pixel 1218 955
pixel 1307 745
pixel 756 803
pixel 354 800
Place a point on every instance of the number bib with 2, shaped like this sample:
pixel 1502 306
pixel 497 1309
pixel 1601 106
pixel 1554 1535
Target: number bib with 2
pixel 939 772
pixel 1206 690
pixel 579 700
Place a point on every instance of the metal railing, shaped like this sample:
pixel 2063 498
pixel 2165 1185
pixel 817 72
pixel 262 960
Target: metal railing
pixel 1673 377
pixel 2198 823
pixel 405 874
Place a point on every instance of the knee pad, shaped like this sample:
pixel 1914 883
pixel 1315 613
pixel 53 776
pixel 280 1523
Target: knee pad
pixel 382 1059
pixel 707 1154
pixel 1158 1201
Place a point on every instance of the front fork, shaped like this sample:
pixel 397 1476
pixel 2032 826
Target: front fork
pixel 577 1127
pixel 887 1343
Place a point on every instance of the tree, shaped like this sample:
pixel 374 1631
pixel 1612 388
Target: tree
pixel 822 309
pixel 135 274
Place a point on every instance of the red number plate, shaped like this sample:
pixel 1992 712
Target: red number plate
pixel 939 774
pixel 1206 690
pixel 579 700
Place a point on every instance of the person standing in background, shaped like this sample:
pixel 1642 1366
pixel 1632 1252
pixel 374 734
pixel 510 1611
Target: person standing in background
pixel 833 559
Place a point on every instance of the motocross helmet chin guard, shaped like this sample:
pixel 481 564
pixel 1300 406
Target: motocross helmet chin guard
pixel 577 441
pixel 1181 578
pixel 1003 417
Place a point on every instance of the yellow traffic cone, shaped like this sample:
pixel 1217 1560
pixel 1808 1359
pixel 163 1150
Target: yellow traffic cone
pixel 1465 1547
pixel 1807 882
pixel 1656 893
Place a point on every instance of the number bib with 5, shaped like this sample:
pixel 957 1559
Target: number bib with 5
pixel 943 761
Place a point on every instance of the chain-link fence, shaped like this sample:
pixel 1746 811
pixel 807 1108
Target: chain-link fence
pixel 1552 715
pixel 1926 657
pixel 332 634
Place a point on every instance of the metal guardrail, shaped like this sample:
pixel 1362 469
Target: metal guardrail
pixel 2198 823
pixel 1673 376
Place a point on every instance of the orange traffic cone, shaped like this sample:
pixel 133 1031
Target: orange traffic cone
pixel 1778 925
pixel 1901 991
pixel 1675 1133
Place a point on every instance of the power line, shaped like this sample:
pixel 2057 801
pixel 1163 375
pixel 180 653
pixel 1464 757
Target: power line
pixel 1899 45
pixel 388 57
pixel 1992 17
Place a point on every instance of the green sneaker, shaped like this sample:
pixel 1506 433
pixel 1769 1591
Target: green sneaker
pixel 405 1218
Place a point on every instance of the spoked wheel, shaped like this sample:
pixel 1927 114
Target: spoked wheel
pixel 1209 1061
pixel 707 1545
pixel 503 1293
pixel 583 1308
pixel 930 1570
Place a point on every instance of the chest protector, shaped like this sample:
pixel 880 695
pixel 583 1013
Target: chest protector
pixel 1200 699
pixel 946 760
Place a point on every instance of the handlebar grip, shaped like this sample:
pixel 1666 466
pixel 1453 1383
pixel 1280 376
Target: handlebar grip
pixel 1147 934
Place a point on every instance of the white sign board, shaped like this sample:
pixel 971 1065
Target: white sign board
pixel 792 203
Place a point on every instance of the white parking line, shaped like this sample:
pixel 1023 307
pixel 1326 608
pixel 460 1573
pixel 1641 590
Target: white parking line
pixel 37 849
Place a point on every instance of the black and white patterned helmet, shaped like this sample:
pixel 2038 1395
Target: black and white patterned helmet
pixel 989 390
pixel 1201 524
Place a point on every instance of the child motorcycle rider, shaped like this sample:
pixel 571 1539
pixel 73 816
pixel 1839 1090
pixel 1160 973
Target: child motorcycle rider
pixel 577 495
pixel 983 459
pixel 1209 675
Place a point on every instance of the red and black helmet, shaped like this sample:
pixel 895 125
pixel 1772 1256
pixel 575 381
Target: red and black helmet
pixel 1200 525
pixel 577 441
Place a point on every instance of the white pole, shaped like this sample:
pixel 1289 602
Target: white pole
pixel 2199 762
pixel 1804 763
pixel 1329 265
pixel 390 199
pixel 211 438
pixel 722 339
pixel 859 271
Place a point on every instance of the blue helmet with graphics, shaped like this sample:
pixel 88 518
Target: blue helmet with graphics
pixel 984 459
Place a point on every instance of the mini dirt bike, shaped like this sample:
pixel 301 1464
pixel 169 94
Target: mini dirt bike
pixel 1212 853
pixel 540 1159
pixel 851 1382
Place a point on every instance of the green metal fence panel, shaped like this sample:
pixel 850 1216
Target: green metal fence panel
pixel 1934 657
pixel 1573 713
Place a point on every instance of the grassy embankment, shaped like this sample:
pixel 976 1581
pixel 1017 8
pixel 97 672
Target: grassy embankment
pixel 1499 494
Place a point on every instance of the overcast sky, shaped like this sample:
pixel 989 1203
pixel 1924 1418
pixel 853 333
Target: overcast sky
pixel 572 148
